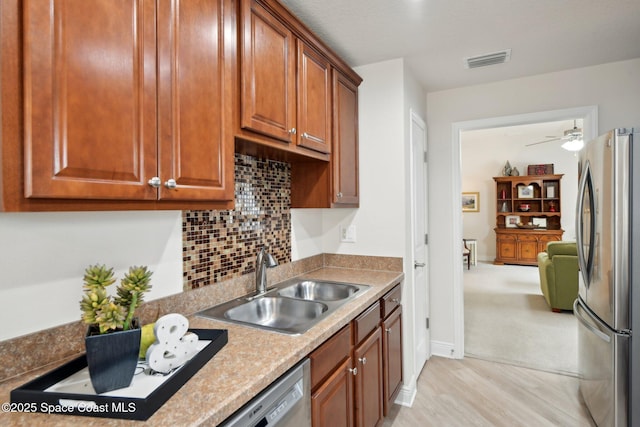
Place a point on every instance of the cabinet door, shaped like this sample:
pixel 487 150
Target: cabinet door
pixel 314 99
pixel 194 93
pixel 345 137
pixel 506 247
pixel 90 99
pixel 268 99
pixel 392 346
pixel 369 379
pixel 331 404
pixel 527 248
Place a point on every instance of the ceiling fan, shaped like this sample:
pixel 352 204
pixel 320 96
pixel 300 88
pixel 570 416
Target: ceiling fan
pixel 572 137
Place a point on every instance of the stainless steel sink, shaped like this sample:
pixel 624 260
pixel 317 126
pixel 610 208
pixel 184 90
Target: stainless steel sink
pixel 277 312
pixel 291 307
pixel 319 291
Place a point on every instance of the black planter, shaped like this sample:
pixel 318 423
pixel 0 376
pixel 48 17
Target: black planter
pixel 112 358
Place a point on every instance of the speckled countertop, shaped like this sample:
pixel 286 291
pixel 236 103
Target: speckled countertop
pixel 252 359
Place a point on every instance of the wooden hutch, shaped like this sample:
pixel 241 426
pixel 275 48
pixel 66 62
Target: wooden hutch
pixel 527 217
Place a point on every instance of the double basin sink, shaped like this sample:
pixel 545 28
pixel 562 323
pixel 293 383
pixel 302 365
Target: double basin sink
pixel 290 307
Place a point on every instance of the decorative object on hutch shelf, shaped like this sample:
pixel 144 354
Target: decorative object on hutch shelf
pixel 506 170
pixel 471 202
pixel 511 221
pixel 525 207
pixel 515 171
pixel 525 192
pixel 539 222
pixel 546 169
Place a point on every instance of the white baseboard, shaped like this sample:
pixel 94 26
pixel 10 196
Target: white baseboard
pixel 443 349
pixel 406 396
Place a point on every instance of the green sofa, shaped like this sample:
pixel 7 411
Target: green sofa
pixel 558 268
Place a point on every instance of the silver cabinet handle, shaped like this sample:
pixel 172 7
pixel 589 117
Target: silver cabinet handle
pixel 171 184
pixel 305 135
pixel 396 300
pixel 154 182
pixel 339 195
pixel 363 360
pixel 418 264
pixel 354 371
pixel 388 330
pixel 292 131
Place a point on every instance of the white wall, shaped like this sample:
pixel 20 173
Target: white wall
pixel 483 155
pixel 387 94
pixel 43 257
pixel 614 88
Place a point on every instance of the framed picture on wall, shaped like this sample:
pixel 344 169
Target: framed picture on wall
pixel 471 202
pixel 511 221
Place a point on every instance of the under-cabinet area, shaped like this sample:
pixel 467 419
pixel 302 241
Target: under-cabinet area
pixel 141 105
pixel 253 359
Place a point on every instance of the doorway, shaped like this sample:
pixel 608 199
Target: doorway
pixel 587 114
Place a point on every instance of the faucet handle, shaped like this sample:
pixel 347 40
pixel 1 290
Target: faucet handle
pixel 270 261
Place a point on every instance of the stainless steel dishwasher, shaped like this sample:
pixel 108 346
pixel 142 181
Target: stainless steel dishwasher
pixel 286 402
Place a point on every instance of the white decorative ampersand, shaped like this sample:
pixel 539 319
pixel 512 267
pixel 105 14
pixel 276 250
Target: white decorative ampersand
pixel 172 347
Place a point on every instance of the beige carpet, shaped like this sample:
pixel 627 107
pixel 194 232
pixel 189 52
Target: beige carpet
pixel 507 319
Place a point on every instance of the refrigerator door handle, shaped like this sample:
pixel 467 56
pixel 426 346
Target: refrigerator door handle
pixel 585 185
pixel 587 324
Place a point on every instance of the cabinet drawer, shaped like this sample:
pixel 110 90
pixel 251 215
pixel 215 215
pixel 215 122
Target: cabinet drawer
pixel 391 300
pixel 329 355
pixel 525 238
pixel 366 322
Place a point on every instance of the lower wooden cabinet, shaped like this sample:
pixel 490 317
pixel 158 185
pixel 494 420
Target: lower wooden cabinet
pixel 517 246
pixel 369 378
pixel 332 402
pixel 357 373
pixel 392 357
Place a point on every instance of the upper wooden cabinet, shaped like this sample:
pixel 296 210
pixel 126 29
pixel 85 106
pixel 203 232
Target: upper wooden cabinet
pixel 285 82
pixel 345 155
pixel 122 101
pixel 267 73
pixel 314 99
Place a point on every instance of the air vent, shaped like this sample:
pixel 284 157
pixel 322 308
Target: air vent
pixel 488 59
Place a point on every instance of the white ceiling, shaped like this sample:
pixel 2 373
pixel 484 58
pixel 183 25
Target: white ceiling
pixel 522 135
pixel 434 36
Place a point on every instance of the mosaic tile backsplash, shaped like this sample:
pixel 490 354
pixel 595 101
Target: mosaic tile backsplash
pixel 220 245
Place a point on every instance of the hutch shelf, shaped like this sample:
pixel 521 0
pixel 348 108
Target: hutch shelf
pixel 527 217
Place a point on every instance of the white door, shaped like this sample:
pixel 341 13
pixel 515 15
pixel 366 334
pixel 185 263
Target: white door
pixel 419 239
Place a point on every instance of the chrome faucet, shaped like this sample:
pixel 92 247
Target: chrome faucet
pixel 264 260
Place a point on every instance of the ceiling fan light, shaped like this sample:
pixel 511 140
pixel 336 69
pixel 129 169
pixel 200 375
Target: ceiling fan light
pixel 573 144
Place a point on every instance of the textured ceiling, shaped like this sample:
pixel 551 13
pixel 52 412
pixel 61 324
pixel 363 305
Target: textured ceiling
pixel 434 36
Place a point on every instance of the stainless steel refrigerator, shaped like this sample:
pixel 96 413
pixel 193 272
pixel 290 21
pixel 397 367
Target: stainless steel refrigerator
pixel 608 303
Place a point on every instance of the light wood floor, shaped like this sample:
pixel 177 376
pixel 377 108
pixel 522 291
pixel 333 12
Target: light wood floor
pixel 474 392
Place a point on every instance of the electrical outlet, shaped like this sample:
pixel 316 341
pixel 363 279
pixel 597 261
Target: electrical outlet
pixel 348 234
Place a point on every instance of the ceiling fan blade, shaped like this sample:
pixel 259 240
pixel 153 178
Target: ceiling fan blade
pixel 542 142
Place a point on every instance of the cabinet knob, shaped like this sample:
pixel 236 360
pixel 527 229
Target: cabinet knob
pixel 354 371
pixel 292 131
pixel 363 360
pixel 395 300
pixel 388 331
pixel 305 135
pixel 339 195
pixel 155 182
pixel 171 184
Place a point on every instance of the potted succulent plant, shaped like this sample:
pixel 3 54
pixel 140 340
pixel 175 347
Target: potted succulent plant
pixel 113 337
